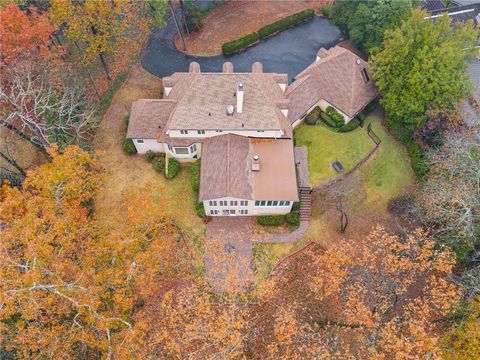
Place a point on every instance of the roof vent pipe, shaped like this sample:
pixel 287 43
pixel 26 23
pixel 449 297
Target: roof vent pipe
pixel 230 110
pixel 256 163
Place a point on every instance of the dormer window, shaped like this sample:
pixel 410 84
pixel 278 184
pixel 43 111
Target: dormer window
pixel 201 132
pixel 183 131
pixel 365 76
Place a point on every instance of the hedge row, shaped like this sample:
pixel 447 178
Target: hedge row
pixel 200 210
pixel 173 168
pixel 234 46
pixel 271 220
pixel 195 180
pixel 239 44
pixel 352 125
pixel 286 22
pixel 128 146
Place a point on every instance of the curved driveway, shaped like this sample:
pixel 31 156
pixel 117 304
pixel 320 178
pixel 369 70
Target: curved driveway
pixel 288 52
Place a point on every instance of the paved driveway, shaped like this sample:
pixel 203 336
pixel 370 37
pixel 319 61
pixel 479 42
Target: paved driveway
pixel 228 253
pixel 288 52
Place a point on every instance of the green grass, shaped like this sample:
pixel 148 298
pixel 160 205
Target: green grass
pixel 389 172
pixel 325 146
pixel 385 176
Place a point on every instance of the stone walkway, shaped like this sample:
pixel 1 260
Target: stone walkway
pixel 228 253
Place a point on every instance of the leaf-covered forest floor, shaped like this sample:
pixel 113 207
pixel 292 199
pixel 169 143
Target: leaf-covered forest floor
pixel 129 178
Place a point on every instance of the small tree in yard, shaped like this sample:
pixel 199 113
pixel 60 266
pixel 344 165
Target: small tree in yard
pixel 343 193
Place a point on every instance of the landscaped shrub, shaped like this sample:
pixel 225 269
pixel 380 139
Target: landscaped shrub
pixel 239 44
pixel 419 165
pixel 314 116
pixel 158 164
pixel 199 209
pixel 286 22
pixel 293 218
pixel 126 120
pixel 352 125
pixel 296 206
pixel 150 155
pixel 311 119
pixel 271 220
pixel 327 120
pixel 128 147
pixel 173 168
pixel 195 181
pixel 402 206
pixel 337 118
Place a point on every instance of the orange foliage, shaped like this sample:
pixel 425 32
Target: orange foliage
pixel 25 35
pixel 68 287
pixel 384 298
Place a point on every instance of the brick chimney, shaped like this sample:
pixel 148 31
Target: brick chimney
pixel 240 93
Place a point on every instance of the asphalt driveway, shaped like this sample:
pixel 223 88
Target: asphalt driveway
pixel 288 52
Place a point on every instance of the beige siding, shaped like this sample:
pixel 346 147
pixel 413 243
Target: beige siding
pixel 251 208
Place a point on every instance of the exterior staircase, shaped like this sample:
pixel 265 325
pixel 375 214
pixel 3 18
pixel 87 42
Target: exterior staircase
pixel 305 203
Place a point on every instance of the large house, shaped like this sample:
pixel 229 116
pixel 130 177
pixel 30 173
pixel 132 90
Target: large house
pixel 241 125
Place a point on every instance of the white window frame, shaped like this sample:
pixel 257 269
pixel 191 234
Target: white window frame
pixel 185 132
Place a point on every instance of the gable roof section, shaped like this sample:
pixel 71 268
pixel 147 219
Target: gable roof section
pixel 226 169
pixel 335 78
pixel 203 98
pixel 148 117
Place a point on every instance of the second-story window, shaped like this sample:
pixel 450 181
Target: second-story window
pixel 183 131
pixel 201 131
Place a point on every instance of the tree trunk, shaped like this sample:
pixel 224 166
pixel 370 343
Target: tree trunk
pixel 105 67
pixel 184 18
pixel 176 24
pixel 14 164
pixel 23 135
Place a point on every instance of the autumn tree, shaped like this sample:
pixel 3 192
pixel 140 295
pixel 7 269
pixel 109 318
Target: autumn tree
pixel 26 36
pixel 422 69
pixel 386 296
pixel 43 111
pixel 450 197
pixel 69 287
pixel 95 26
pixel 192 322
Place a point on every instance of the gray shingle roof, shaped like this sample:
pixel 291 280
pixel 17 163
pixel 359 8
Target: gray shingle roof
pixel 335 78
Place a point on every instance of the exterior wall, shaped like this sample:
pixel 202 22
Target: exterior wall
pixel 250 207
pixel 209 133
pixel 323 104
pixel 148 144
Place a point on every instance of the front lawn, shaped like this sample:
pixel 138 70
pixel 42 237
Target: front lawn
pixel 325 146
